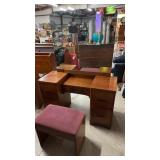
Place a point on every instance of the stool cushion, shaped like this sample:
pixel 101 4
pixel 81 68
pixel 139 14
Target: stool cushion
pixel 67 120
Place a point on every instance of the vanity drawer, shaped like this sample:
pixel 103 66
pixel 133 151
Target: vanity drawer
pixel 48 87
pixel 101 117
pixel 49 95
pixel 99 112
pixel 79 90
pixel 101 95
pixel 102 104
pixel 106 122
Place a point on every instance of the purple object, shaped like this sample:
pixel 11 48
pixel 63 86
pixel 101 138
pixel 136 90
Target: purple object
pixel 98 21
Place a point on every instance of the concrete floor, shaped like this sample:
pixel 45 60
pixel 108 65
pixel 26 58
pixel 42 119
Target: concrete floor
pixel 99 140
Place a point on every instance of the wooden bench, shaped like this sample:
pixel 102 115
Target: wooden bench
pixel 44 48
pixel 43 44
pixel 44 63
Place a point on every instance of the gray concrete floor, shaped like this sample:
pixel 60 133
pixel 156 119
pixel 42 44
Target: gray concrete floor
pixel 99 141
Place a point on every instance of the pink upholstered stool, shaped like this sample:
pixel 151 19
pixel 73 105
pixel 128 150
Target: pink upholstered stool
pixel 63 122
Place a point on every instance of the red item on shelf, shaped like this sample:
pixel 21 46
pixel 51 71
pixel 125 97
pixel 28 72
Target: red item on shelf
pixel 71 58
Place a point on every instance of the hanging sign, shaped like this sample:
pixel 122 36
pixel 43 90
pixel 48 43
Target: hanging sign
pixel 110 10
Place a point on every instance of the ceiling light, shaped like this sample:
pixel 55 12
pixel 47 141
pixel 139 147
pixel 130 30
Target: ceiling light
pixel 62 9
pixel 55 5
pixel 70 8
pixel 89 9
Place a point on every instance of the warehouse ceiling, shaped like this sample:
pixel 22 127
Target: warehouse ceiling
pixel 80 10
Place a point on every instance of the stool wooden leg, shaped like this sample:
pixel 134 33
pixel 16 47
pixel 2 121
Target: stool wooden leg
pixel 42 137
pixel 79 138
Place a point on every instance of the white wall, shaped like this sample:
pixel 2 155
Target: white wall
pixel 44 12
pixel 78 20
pixel 42 19
pixel 67 19
pixel 56 20
pixel 86 20
pixel 42 16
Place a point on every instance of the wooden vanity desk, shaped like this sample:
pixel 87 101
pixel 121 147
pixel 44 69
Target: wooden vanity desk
pixel 57 86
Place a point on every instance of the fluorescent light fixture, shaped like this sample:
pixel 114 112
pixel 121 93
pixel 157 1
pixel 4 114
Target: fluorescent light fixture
pixel 62 9
pixel 70 8
pixel 55 5
pixel 89 9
